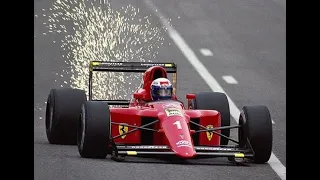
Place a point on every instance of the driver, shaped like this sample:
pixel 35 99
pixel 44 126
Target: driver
pixel 161 89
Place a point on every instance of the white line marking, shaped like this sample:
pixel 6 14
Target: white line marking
pixel 273 121
pixel 230 79
pixel 274 162
pixel 206 52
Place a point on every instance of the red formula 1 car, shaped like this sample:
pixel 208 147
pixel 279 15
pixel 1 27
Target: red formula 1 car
pixel 142 127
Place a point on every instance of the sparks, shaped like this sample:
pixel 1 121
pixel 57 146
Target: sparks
pixel 98 32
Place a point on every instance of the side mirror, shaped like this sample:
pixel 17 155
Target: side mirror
pixel 137 95
pixel 190 96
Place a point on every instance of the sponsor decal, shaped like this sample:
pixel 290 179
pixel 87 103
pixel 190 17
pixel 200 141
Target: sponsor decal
pixel 123 129
pixel 213 149
pixel 153 64
pixel 171 105
pixel 173 112
pixel 182 143
pixel 209 134
pixel 148 147
pixel 111 64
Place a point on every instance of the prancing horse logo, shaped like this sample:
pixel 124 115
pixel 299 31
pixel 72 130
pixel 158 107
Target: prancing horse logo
pixel 209 134
pixel 123 129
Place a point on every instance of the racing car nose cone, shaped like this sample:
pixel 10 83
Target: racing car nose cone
pixel 185 152
pixel 174 127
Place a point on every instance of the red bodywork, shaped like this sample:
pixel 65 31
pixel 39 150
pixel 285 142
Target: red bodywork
pixel 147 128
pixel 173 127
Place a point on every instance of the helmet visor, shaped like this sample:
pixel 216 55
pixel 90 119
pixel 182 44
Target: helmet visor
pixel 165 92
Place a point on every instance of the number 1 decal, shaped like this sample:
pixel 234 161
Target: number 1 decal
pixel 178 124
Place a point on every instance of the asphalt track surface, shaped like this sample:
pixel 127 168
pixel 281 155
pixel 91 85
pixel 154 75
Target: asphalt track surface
pixel 247 39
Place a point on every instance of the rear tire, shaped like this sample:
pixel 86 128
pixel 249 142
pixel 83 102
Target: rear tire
pixel 215 101
pixel 62 112
pixel 256 130
pixel 93 134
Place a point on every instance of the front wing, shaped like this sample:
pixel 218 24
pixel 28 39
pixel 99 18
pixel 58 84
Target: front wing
pixel 163 150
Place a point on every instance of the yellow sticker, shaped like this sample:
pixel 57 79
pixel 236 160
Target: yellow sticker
pixel 239 155
pixel 123 129
pixel 95 63
pixel 209 134
pixel 132 153
pixel 168 65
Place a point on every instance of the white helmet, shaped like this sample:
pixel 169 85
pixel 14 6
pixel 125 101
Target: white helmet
pixel 161 89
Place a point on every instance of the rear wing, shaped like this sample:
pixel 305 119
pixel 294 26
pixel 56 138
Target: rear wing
pixel 140 67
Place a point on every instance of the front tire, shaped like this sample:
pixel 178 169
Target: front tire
pixel 93 134
pixel 256 131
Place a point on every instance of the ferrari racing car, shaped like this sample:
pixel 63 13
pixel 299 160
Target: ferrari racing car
pixel 145 127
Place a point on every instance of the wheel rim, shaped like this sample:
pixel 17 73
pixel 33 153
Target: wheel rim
pixel 83 127
pixel 50 118
pixel 241 132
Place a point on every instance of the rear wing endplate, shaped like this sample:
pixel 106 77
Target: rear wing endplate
pixel 107 66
